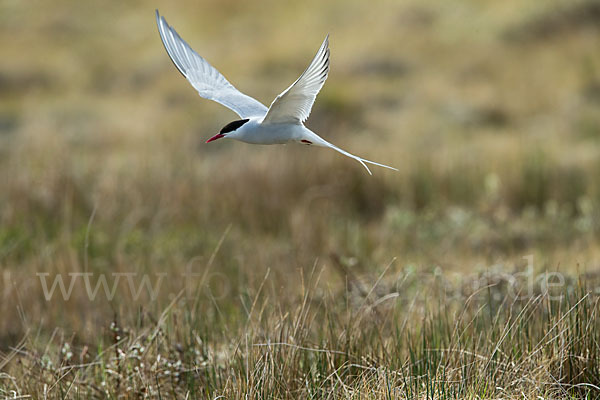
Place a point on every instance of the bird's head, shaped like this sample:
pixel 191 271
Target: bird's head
pixel 230 127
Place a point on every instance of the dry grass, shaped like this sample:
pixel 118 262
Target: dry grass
pixel 313 279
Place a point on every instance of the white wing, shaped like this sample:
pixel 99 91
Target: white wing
pixel 293 105
pixel 209 82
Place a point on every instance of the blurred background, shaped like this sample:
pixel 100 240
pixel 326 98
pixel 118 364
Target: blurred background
pixel 490 111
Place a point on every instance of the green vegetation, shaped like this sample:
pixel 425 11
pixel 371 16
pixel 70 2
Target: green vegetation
pixel 288 272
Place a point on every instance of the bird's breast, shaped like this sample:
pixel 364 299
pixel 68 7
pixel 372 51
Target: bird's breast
pixel 271 134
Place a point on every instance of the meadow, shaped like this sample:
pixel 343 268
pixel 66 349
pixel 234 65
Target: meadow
pixel 139 262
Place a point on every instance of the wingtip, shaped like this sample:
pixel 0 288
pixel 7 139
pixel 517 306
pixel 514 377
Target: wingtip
pixel 160 20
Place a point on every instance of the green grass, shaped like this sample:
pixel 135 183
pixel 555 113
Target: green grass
pixel 288 272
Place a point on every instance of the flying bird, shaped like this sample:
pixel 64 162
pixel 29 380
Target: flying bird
pixel 282 122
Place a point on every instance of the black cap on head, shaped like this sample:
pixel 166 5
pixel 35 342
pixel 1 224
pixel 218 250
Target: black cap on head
pixel 232 126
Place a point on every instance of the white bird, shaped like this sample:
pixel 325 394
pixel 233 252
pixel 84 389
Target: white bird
pixel 283 122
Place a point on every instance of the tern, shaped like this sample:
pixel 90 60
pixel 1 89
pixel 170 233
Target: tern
pixel 282 122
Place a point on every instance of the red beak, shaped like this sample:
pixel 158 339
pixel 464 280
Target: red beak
pixel 217 136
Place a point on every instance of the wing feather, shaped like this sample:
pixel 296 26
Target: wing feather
pixel 294 104
pixel 205 78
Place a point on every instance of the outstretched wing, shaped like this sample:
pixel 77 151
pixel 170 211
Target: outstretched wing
pixel 205 78
pixel 295 103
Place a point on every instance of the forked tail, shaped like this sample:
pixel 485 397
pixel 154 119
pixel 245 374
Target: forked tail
pixel 361 160
pixel 319 141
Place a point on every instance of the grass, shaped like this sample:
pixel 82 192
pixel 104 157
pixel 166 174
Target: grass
pixel 378 341
pixel 227 270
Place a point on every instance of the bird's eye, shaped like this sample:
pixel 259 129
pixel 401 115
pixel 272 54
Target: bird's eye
pixel 232 126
